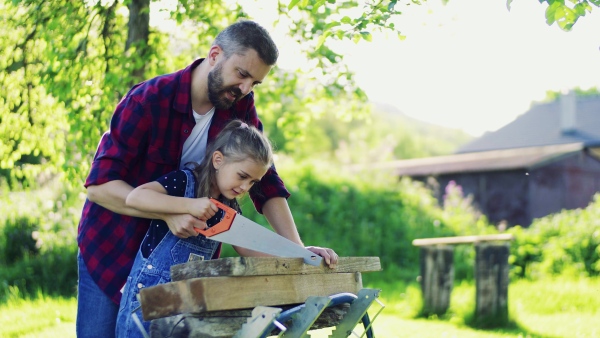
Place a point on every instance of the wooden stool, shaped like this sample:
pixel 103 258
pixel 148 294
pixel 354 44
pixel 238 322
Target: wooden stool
pixel 491 274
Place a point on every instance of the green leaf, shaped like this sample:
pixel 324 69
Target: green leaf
pixel 580 9
pixel 317 4
pixel 391 5
pixel 322 39
pixel 292 4
pixel 551 13
pixel 346 20
pixel 332 24
pixel 367 36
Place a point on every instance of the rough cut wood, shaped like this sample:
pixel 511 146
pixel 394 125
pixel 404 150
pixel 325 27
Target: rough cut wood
pixel 227 293
pixel 225 324
pixel 437 278
pixel 461 239
pixel 259 266
pixel 491 282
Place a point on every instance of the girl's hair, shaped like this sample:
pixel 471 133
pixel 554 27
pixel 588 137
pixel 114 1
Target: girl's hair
pixel 237 142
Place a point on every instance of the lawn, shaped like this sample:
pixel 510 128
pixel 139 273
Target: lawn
pixel 549 308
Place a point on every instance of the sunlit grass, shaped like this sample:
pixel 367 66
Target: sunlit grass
pixel 40 317
pixel 557 308
pixel 548 308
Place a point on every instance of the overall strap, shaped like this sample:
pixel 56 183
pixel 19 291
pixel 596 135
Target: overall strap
pixel 191 186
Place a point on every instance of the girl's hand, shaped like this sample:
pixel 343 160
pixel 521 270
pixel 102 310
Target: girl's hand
pixel 182 225
pixel 330 257
pixel 201 208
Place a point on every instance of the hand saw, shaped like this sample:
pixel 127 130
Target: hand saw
pixel 238 230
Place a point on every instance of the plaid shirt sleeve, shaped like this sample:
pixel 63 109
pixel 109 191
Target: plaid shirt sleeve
pixel 120 147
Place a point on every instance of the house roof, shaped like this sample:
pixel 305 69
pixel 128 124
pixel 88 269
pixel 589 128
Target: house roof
pixel 505 159
pixel 541 126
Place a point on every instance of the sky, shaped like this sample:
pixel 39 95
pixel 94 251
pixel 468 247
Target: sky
pixel 470 64
pixel 475 66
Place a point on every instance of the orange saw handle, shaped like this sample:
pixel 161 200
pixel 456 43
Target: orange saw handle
pixel 225 222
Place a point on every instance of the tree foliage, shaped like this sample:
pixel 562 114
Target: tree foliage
pixel 565 13
pixel 65 64
pixel 68 63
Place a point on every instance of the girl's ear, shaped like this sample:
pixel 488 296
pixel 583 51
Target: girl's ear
pixel 217 159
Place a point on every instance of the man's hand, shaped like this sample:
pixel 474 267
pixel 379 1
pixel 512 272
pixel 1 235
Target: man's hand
pixel 182 225
pixel 330 257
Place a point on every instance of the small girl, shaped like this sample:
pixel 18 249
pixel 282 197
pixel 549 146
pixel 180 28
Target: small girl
pixel 237 159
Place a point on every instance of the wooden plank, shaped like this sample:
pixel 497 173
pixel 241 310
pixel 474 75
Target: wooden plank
pixel 260 266
pixel 462 239
pixel 229 293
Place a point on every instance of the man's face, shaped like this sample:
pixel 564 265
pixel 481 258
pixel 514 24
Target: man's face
pixel 221 97
pixel 235 77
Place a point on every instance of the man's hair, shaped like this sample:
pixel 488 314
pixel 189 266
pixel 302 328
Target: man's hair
pixel 246 34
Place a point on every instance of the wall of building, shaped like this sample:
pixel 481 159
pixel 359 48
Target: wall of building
pixel 500 195
pixel 568 183
pixel 519 196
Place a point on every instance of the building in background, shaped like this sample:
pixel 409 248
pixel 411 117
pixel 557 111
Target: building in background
pixel 545 161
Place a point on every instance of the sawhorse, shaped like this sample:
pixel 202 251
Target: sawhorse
pixel 266 319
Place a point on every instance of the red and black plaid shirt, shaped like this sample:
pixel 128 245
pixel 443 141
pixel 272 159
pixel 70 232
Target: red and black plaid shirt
pixel 145 141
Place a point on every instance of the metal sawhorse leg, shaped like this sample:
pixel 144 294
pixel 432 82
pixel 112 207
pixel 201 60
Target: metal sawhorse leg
pixel 265 319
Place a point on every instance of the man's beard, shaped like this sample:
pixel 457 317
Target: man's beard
pixel 216 90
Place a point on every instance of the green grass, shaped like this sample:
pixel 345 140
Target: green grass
pixel 550 309
pixel 557 308
pixel 40 317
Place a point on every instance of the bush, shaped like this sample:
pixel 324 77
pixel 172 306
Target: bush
pixel 38 240
pixel 361 215
pixel 566 243
pixel 53 273
pixel 18 240
pixel 371 216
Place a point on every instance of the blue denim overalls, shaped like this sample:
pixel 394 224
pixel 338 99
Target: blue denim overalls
pixel 155 269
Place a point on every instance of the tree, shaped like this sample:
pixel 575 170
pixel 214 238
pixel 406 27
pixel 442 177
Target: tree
pixel 66 64
pixel 565 13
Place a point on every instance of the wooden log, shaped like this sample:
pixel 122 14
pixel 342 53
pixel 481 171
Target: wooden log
pixel 437 276
pixel 461 239
pixel 224 324
pixel 227 293
pixel 259 266
pixel 491 283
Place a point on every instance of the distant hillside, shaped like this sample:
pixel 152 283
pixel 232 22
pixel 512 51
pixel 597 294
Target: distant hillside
pixel 417 138
pixel 384 135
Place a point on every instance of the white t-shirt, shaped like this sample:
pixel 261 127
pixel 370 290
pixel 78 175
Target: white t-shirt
pixel 194 147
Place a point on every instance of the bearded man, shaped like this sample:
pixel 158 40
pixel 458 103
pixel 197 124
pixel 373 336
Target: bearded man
pixel 161 125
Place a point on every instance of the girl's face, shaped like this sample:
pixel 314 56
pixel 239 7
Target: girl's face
pixel 236 178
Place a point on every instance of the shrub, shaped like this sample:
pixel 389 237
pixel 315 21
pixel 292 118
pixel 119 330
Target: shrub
pixel 38 240
pixel 566 243
pixel 371 215
pixel 18 239
pixel 53 273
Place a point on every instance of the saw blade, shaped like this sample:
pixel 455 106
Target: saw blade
pixel 250 235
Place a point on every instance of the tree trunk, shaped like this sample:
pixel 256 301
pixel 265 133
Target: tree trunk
pixel 138 34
